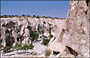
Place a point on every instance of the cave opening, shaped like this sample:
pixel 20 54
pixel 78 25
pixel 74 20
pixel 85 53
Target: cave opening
pixel 87 1
pixel 55 53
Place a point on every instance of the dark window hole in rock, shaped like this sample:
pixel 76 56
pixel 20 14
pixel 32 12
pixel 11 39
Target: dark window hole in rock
pixel 55 53
pixel 87 1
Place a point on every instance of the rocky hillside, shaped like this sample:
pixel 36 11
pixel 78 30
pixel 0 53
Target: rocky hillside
pixel 27 31
pixel 74 38
pixel 47 37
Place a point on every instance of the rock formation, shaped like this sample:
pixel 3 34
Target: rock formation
pixel 68 38
pixel 77 27
pixel 25 30
pixel 76 35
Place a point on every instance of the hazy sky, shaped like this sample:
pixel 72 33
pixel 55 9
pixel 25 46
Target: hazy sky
pixel 41 8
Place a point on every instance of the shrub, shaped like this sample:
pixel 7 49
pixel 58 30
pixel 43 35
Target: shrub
pixel 17 46
pixel 16 15
pixel 50 36
pixel 43 16
pixel 6 49
pixel 5 16
pixel 44 36
pixel 34 16
pixel 38 16
pixel 34 35
pixel 1 49
pixel 26 47
pixel 23 15
pixel 45 41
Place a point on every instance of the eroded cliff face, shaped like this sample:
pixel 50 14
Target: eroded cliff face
pixel 70 36
pixel 77 28
pixel 24 30
pixel 73 39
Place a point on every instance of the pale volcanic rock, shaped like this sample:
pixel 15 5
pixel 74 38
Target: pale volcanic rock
pixel 57 47
pixel 15 35
pixel 72 33
pixel 77 27
pixel 26 41
pixel 24 26
pixel 27 33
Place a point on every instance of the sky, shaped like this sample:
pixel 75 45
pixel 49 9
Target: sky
pixel 41 8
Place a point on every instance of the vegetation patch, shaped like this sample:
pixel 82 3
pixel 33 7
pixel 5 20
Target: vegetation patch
pixel 17 46
pixel 50 36
pixel 34 35
pixel 45 41
pixel 26 47
pixel 6 49
pixel 44 36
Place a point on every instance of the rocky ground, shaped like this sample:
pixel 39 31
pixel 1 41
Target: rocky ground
pixel 48 37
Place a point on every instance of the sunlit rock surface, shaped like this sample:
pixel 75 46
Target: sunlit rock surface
pixel 67 38
pixel 29 30
pixel 76 35
pixel 77 27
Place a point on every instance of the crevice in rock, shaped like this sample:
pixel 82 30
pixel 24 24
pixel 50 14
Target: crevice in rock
pixel 87 1
pixel 70 50
pixel 78 1
pixel 17 39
